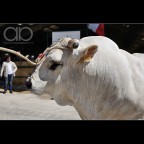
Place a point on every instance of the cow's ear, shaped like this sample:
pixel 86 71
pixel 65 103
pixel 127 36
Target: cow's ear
pixel 88 54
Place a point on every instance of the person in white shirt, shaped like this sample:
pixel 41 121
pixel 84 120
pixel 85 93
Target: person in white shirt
pixel 8 70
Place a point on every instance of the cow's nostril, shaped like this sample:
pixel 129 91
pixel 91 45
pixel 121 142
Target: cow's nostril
pixel 76 45
pixel 28 84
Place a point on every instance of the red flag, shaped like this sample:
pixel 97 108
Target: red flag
pixel 100 30
pixel 97 28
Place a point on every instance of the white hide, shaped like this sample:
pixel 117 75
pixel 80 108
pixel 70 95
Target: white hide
pixel 110 86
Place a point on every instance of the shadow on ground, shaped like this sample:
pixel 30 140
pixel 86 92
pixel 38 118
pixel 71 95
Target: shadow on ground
pixel 1 91
pixel 16 87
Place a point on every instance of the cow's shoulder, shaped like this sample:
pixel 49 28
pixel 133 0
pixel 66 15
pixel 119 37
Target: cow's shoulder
pixel 101 41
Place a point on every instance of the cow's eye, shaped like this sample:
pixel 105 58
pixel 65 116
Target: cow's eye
pixel 54 65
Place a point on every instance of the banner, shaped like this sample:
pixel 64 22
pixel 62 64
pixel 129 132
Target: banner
pixel 56 36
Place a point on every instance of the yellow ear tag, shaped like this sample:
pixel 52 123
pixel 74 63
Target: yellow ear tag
pixel 88 55
pixel 83 59
pixel 87 58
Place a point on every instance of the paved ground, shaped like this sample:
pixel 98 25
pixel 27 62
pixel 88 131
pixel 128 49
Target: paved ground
pixel 27 106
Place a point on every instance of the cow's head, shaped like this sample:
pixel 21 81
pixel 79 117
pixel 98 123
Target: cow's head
pixel 66 54
pixel 62 61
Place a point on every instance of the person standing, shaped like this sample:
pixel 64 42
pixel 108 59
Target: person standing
pixel 8 70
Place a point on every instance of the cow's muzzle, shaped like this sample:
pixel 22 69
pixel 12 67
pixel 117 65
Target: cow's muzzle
pixel 28 83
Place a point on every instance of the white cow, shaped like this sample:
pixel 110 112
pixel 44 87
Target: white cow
pixel 100 80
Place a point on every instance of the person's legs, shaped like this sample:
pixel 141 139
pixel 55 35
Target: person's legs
pixel 10 79
pixel 5 84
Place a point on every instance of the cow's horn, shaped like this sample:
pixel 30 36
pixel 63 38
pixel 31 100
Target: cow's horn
pixel 18 54
pixel 73 44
